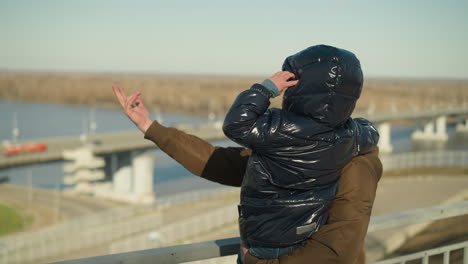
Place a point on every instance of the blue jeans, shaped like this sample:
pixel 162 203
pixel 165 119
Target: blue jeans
pixel 269 253
pixel 239 258
pixel 272 253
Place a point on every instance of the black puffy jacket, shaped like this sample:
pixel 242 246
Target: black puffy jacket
pixel 298 151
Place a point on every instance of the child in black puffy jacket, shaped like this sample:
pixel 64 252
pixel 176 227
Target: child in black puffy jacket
pixel 299 150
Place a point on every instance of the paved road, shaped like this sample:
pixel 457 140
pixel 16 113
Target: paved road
pixel 44 204
pixel 169 216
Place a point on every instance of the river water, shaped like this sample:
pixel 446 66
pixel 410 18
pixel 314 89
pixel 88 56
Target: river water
pixel 37 121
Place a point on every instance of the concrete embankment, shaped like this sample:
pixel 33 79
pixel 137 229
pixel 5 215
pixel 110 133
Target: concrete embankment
pixel 46 207
pixel 95 233
pixel 393 195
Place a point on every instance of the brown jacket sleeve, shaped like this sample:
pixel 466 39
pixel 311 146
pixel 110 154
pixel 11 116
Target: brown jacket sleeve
pixel 222 165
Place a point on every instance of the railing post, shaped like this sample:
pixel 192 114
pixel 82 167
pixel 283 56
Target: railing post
pixel 447 257
pixel 441 128
pixel 5 254
pixel 425 259
pixel 465 255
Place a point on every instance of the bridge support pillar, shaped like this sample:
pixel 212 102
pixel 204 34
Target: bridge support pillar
pixel 129 177
pixel 439 134
pixel 122 173
pixel 441 128
pixel 143 186
pixel 385 133
pixel 462 126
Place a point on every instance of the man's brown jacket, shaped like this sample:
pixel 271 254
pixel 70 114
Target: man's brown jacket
pixel 341 240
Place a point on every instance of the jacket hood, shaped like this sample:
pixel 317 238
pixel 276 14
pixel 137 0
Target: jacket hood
pixel 330 82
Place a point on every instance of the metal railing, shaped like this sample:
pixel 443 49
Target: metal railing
pixel 180 230
pixel 425 159
pixel 426 254
pixel 68 238
pixel 225 247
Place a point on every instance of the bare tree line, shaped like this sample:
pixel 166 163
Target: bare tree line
pixel 210 94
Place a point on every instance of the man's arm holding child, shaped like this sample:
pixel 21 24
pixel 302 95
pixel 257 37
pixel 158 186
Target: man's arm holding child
pixel 217 164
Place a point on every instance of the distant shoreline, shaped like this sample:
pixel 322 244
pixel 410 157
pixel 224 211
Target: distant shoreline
pixel 205 94
pixel 212 75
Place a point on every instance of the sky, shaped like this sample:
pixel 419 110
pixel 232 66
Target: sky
pixel 392 39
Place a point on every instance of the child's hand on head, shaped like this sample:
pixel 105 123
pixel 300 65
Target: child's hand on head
pixel 280 79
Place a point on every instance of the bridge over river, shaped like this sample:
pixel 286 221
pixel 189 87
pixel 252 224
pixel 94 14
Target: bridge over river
pixel 107 143
pixel 103 144
pixel 128 169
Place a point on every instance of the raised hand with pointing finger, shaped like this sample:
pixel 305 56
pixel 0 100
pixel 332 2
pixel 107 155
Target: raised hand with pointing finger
pixel 133 107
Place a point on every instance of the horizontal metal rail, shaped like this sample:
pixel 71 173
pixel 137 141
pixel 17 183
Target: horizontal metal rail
pixel 226 247
pixel 176 254
pixel 417 216
pixel 424 255
pixel 425 159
